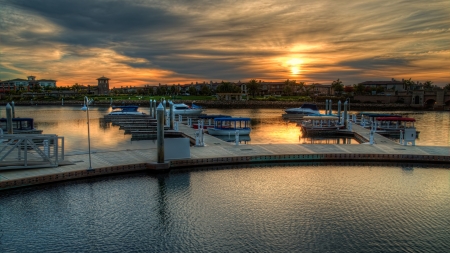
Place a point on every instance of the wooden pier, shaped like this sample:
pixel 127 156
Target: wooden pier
pixel 218 152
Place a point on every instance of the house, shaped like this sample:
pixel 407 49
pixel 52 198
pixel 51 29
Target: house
pixel 392 85
pixel 25 84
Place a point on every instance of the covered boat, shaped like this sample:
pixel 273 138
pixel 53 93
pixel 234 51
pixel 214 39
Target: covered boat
pixel 229 126
pixel 391 126
pixel 304 110
pixel 126 110
pixel 185 109
pixel 208 120
pixel 321 125
pixel 20 126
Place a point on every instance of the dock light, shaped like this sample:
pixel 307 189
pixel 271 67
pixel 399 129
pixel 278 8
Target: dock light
pixel 86 108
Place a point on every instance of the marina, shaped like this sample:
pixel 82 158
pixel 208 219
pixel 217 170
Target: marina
pixel 216 151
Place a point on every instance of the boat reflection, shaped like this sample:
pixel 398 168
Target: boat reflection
pixel 231 138
pixel 329 140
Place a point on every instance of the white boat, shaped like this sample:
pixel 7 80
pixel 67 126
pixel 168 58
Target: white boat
pixel 304 110
pixel 229 126
pixel 126 110
pixel 321 125
pixel 185 109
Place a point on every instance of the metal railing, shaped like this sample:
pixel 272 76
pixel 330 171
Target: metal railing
pixel 23 151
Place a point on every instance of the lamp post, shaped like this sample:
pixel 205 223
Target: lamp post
pixel 86 108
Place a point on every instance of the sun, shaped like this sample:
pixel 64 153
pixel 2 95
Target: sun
pixel 294 64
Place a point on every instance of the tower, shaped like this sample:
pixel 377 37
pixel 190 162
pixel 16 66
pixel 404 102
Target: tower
pixel 103 85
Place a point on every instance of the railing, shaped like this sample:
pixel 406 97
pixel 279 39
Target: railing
pixel 23 151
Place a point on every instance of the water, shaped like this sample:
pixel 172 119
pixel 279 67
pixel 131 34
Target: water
pixel 292 208
pixel 267 127
pixel 352 207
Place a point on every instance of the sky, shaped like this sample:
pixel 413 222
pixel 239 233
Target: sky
pixel 143 42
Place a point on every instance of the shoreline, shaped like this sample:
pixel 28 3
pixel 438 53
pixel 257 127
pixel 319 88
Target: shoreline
pixel 250 104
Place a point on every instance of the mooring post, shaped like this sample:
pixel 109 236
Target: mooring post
pixel 160 133
pixel 154 108
pixel 331 109
pixel 9 117
pixel 236 137
pixel 326 107
pixel 345 114
pixel 371 137
pixel 150 108
pixel 339 112
pixel 13 110
pixel 171 115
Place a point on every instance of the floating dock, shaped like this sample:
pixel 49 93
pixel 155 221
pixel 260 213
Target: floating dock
pixel 219 152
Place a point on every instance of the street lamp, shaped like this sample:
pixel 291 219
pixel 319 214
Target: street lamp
pixel 86 108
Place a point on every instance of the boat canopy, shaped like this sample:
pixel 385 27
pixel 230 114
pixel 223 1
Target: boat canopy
pixel 310 106
pixel 126 108
pixel 213 116
pixel 375 114
pixel 18 123
pixel 319 117
pixel 396 119
pixel 231 119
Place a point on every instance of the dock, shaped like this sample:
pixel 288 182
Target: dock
pixel 217 152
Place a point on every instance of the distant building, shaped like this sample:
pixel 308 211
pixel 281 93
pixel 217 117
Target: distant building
pixel 25 84
pixel 393 85
pixel 103 85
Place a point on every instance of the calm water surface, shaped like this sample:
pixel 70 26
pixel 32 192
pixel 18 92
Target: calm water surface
pixel 260 208
pixel 292 208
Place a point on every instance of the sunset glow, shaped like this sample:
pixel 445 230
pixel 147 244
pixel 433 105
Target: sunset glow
pixel 170 42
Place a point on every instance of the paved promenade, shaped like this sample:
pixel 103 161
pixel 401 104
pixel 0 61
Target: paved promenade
pixel 218 152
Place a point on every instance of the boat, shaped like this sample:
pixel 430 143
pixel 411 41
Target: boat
pixel 229 126
pixel 126 110
pixel 20 126
pixel 184 109
pixel 321 125
pixel 365 119
pixel 304 110
pixel 392 126
pixel 208 120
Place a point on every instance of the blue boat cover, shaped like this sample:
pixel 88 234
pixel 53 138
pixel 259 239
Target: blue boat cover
pixel 232 119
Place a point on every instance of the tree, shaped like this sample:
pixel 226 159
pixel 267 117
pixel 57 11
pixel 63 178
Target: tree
pixel 192 90
pixel 428 85
pixel 289 87
pixel 359 88
pixel 253 87
pixel 76 87
pixel 337 86
pixel 300 88
pixel 447 86
pixel 227 87
pixel 205 90
pixel 348 89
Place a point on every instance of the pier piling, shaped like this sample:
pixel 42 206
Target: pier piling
pixel 160 133
pixel 9 117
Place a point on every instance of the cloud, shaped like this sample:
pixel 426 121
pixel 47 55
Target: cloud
pixel 149 41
